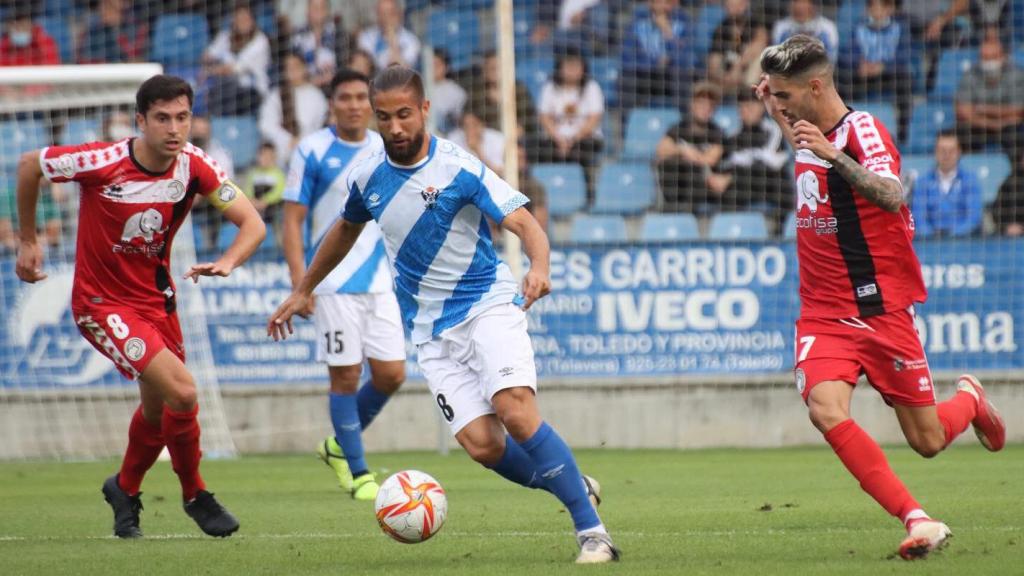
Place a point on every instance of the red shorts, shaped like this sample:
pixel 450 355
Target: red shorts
pixel 886 348
pixel 130 337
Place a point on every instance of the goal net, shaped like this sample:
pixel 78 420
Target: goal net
pixel 59 397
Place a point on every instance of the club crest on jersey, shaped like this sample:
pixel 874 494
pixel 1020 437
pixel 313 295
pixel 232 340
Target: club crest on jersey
pixel 175 190
pixel 66 165
pixel 809 192
pixel 430 196
pixel 143 225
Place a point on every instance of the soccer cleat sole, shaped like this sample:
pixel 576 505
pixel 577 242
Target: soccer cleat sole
pixel 988 424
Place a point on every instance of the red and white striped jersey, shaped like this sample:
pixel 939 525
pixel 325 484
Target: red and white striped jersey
pixel 856 259
pixel 127 219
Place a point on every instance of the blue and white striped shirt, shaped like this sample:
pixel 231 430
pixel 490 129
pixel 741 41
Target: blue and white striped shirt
pixel 437 238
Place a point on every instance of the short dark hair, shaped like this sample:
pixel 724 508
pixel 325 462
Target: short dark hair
pixel 948 133
pixel 161 87
pixel 796 56
pixel 346 75
pixel 396 77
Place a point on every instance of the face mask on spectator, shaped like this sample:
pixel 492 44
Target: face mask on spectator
pixel 119 131
pixel 991 67
pixel 879 23
pixel 200 141
pixel 21 38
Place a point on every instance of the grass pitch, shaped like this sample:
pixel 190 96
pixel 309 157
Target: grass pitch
pixel 787 511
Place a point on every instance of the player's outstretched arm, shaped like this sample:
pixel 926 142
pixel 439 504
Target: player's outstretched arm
pixel 537 282
pixel 335 246
pixel 251 231
pixel 884 192
pixel 29 267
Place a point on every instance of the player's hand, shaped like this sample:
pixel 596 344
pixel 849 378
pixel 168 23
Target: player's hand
pixel 208 269
pixel 30 262
pixel 280 324
pixel 809 137
pixel 764 95
pixel 536 285
pixel 310 308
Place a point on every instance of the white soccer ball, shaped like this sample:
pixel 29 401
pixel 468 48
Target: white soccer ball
pixel 411 506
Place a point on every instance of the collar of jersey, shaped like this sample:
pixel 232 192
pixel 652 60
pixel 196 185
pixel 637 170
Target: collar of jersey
pixel 141 168
pixel 361 143
pixel 418 165
pixel 841 120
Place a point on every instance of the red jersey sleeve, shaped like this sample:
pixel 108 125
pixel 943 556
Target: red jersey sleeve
pixel 83 163
pixel 210 175
pixel 872 146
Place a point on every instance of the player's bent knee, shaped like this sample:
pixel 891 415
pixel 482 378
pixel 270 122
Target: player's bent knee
pixel 928 445
pixel 826 417
pixel 486 451
pixel 390 380
pixel 182 398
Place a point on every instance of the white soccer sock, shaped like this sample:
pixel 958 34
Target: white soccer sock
pixel 600 529
pixel 915 514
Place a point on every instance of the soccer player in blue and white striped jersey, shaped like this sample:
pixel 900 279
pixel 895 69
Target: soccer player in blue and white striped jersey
pixel 355 310
pixel 432 201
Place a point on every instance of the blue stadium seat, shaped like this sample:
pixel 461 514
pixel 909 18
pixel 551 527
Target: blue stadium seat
pixel 645 128
pixel 884 112
pixel 606 72
pixel 708 19
pixel 179 39
pixel 83 129
pixel 658 227
pixel 226 235
pixel 727 118
pixel 624 188
pixel 18 136
pixel 952 65
pixel 59 28
pixel 591 229
pixel 926 121
pixel 240 135
pixel 565 185
pixel 789 228
pixel 913 166
pixel 1018 56
pixel 738 226
pixel 458 32
pixel 269 243
pixel 992 169
pixel 849 15
pixel 534 72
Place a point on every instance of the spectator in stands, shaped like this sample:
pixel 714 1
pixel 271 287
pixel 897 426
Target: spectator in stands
pixel 118 125
pixel 319 42
pixel 689 153
pixel 24 43
pixel 389 41
pixel 208 216
pixel 756 160
pixel 113 35
pixel 48 217
pixel 946 200
pixel 362 61
pixel 990 101
pixel 876 60
pixel 448 98
pixel 991 17
pixel 734 59
pixel 531 187
pixel 292 110
pixel 933 23
pixel 484 142
pixel 1008 209
pixel 657 59
pixel 804 19
pixel 265 185
pixel 485 99
pixel 236 66
pixel 571 108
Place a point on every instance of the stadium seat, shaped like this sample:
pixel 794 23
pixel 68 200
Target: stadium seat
pixel 665 227
pixel 645 128
pixel 727 118
pixel 606 72
pixel 565 186
pixel 83 129
pixel 534 72
pixel 952 65
pixel 738 226
pixel 1018 56
pixel 884 112
pixel 992 169
pixel 591 229
pixel 789 228
pixel 624 188
pixel 179 39
pixel 240 135
pixel 226 235
pixel 18 136
pixel 269 243
pixel 458 31
pixel 926 121
pixel 59 28
pixel 850 13
pixel 708 19
pixel 913 166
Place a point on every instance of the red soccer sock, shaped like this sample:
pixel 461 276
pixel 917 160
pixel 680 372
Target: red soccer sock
pixel 865 460
pixel 956 414
pixel 144 446
pixel 181 432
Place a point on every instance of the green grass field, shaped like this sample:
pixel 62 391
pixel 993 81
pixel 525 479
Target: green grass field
pixel 792 511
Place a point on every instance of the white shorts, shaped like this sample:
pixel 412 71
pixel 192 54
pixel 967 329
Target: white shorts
pixel 353 326
pixel 466 365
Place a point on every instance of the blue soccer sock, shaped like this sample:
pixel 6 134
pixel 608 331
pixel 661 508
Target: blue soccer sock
pixel 347 431
pixel 515 465
pixel 369 400
pixel 557 468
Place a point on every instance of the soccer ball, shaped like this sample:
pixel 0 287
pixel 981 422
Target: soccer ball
pixel 411 506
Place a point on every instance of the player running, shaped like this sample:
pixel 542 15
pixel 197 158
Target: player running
pixel 430 199
pixel 355 309
pixel 859 281
pixel 136 193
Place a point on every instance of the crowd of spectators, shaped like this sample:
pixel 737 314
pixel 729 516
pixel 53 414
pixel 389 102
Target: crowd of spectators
pixel 270 60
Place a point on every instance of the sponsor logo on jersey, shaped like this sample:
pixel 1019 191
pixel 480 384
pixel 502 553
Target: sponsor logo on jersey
pixel 809 192
pixel 430 196
pixel 507 371
pixel 867 290
pixel 373 200
pixel 333 162
pixel 114 191
pixel 924 384
pixel 899 364
pixel 144 225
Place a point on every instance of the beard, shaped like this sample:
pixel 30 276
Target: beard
pixel 405 156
